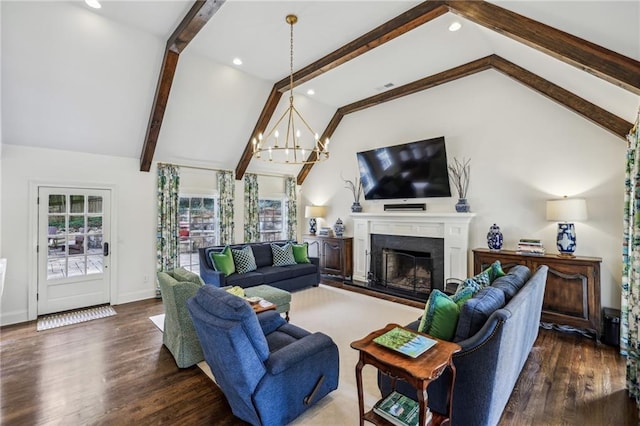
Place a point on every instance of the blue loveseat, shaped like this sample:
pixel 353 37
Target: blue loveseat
pixel 289 278
pixel 495 345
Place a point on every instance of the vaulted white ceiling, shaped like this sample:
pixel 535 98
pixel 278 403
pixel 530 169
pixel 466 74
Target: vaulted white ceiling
pixel 202 114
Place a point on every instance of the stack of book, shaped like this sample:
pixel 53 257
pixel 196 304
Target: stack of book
pixel 530 246
pixel 400 410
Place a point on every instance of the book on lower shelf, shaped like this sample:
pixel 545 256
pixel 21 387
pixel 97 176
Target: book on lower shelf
pixel 400 410
pixel 405 342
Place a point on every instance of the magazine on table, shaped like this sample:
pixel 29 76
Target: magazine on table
pixel 400 410
pixel 405 342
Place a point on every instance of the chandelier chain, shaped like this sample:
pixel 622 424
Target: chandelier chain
pixel 291 63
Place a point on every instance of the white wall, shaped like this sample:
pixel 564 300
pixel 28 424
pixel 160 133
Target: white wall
pixel 133 219
pixel 524 149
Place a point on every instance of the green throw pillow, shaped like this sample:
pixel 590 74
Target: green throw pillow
pixel 223 261
pixel 301 253
pixel 440 316
pixel 495 271
pixel 182 275
pixel 244 260
pixel 282 256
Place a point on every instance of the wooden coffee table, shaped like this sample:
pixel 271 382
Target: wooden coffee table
pixel 418 372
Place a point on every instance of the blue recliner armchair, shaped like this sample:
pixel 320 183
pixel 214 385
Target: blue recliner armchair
pixel 269 370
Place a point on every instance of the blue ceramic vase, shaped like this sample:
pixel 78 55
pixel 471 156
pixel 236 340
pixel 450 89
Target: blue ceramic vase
pixel 338 228
pixel 462 206
pixel 494 238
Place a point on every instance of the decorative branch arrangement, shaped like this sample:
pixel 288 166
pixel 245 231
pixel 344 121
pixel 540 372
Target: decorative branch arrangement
pixel 459 171
pixel 355 186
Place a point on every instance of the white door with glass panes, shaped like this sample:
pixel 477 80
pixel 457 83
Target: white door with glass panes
pixel 73 248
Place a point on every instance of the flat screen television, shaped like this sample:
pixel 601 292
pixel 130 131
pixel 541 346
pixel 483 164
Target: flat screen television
pixel 411 170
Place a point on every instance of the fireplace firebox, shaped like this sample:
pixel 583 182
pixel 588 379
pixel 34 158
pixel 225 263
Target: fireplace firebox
pixel 406 266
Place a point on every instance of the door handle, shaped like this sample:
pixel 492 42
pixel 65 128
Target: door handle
pixel 105 249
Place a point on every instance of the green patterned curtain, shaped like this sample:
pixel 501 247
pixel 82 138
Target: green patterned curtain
pixel 167 234
pixel 226 188
pixel 251 213
pixel 292 207
pixel 630 312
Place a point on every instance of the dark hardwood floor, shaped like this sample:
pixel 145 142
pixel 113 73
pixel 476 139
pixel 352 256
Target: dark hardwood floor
pixel 115 371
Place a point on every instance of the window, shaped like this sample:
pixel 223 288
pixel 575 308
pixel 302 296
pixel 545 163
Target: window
pixel 271 215
pixel 198 216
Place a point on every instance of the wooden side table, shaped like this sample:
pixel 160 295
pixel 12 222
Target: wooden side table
pixel 418 372
pixel 335 254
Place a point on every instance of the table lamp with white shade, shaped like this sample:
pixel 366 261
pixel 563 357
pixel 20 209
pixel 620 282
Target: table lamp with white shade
pixel 565 211
pixel 312 213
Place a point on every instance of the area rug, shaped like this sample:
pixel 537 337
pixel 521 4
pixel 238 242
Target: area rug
pixel 48 322
pixel 345 316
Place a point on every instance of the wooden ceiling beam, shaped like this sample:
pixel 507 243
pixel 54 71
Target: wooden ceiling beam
pixel 401 24
pixel 586 109
pixel 418 15
pixel 194 20
pixel 328 133
pixel 263 120
pixel 419 85
pixel 606 64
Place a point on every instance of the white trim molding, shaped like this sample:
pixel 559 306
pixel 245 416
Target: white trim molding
pixel 452 227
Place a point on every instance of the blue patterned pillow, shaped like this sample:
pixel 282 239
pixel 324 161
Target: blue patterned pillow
pixel 244 260
pixel 282 256
pixel 477 282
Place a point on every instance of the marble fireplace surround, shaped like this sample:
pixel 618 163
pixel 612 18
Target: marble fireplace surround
pixel 452 227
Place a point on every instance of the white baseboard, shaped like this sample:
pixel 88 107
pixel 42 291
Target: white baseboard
pixel 14 317
pixel 135 296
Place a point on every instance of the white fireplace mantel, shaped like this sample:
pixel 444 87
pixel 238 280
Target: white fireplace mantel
pixel 452 227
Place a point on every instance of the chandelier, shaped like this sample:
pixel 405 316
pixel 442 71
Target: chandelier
pixel 288 147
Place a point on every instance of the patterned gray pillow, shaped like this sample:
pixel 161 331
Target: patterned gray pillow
pixel 282 256
pixel 244 260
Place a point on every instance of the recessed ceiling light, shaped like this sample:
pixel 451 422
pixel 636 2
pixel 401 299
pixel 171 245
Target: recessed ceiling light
pixel 455 26
pixel 311 92
pixel 93 3
pixel 237 61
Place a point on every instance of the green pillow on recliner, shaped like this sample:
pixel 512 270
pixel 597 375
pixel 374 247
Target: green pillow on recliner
pixel 223 261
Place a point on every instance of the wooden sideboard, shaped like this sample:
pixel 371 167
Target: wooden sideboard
pixel 335 254
pixel 572 293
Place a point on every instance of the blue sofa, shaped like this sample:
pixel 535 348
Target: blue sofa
pixel 492 357
pixel 290 278
pixel 269 370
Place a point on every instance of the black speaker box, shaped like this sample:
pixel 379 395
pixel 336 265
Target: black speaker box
pixel 611 326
